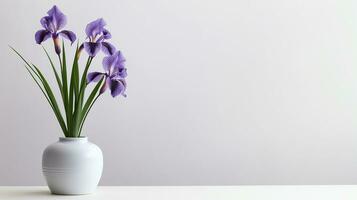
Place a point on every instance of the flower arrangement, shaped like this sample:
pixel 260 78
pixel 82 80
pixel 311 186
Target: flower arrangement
pixel 72 84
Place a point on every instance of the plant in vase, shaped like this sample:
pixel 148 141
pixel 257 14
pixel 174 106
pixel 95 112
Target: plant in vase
pixel 73 165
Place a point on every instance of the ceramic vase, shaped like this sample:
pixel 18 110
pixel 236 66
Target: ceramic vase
pixel 72 166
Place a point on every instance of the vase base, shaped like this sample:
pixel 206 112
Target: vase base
pixel 71 193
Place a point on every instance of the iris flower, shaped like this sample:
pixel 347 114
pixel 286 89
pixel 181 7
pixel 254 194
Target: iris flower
pixel 97 34
pixel 52 24
pixel 114 75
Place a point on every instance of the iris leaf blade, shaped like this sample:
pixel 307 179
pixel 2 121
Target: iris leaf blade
pixel 38 84
pixel 89 103
pixel 28 67
pixel 52 98
pixel 73 86
pixel 65 89
pixel 80 97
pixel 54 71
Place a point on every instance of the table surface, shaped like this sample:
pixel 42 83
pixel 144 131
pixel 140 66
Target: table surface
pixel 303 192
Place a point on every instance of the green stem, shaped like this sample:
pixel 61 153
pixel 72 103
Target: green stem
pixel 79 99
pixel 85 115
pixel 62 92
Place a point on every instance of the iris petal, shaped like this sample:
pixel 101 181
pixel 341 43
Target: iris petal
pixel 69 35
pixel 47 24
pixel 122 73
pixel 106 34
pixel 59 19
pixel 92 48
pixel 108 62
pixel 108 48
pixel 94 77
pixel 116 87
pixel 95 27
pixel 120 60
pixel 42 35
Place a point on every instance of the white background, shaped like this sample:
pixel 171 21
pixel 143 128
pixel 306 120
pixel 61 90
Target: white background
pixel 219 92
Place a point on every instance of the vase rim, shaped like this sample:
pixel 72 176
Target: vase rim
pixel 74 139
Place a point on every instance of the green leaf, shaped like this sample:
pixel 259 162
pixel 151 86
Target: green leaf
pixel 52 99
pixel 22 58
pixel 73 86
pixel 91 96
pixel 75 73
pixel 89 103
pixel 79 98
pixel 45 89
pixel 37 83
pixel 84 78
pixel 65 88
pixel 54 71
pixel 44 93
pixel 76 70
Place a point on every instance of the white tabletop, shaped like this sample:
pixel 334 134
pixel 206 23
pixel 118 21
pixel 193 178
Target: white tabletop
pixel 341 192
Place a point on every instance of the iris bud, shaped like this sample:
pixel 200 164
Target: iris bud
pixel 79 51
pixel 57 43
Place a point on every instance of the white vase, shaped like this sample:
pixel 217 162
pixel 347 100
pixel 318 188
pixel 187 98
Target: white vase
pixel 72 166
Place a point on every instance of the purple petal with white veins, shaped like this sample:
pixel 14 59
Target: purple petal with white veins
pixel 122 73
pixel 120 60
pixel 41 36
pixel 59 19
pixel 94 77
pixel 108 48
pixel 95 27
pixel 123 81
pixel 69 35
pixel 106 34
pixel 116 87
pixel 108 62
pixel 92 48
pixel 47 24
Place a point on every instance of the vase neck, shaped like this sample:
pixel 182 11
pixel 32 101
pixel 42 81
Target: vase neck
pixel 74 139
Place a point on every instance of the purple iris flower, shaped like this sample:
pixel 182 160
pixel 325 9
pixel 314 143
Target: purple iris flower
pixel 97 35
pixel 115 73
pixel 52 24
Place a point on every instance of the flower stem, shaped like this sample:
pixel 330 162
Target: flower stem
pixel 85 115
